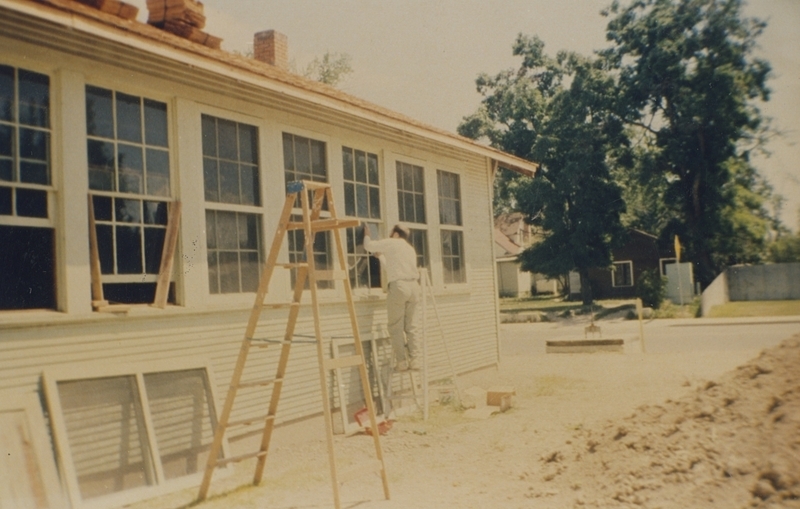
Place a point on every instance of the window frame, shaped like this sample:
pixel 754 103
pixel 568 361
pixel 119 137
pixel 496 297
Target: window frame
pixel 629 264
pixel 239 210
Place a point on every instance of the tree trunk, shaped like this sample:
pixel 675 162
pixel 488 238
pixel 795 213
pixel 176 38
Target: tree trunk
pixel 586 287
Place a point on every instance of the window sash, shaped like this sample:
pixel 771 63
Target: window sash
pixel 622 274
pixel 411 193
pixel 453 266
pixel 449 198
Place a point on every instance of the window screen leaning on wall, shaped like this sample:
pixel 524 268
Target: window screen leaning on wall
pixel 305 159
pixel 411 207
pixel 362 198
pixel 27 250
pixel 232 185
pixel 451 221
pixel 129 179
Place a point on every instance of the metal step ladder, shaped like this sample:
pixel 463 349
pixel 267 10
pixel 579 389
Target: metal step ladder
pixel 311 197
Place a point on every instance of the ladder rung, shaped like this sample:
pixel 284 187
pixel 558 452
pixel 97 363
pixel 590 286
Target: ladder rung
pixel 357 472
pixel 324 224
pixel 260 383
pixel 296 186
pixel 330 275
pixel 264 342
pixel 276 305
pixel 241 457
pixel 344 362
pixel 252 420
pixel 292 265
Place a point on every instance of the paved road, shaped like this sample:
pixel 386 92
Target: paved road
pixel 661 336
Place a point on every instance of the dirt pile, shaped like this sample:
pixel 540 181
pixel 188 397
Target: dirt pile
pixel 731 443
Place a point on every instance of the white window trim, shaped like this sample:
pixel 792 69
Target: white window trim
pixel 465 285
pixel 614 272
pixel 663 262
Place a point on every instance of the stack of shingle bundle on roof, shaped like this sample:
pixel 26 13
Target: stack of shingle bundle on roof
pixel 115 7
pixel 181 17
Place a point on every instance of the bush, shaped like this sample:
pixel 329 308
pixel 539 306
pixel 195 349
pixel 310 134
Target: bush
pixel 651 288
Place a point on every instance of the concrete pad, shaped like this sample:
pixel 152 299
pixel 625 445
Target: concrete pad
pixel 585 346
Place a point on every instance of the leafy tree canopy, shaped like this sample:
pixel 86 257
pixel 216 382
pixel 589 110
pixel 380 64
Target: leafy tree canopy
pixel 331 69
pixel 689 83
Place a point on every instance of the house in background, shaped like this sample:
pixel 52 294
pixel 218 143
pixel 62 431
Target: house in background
pixel 640 253
pixel 106 124
pixel 511 236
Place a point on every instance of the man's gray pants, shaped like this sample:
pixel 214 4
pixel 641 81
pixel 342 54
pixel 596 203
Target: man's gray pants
pixel 401 304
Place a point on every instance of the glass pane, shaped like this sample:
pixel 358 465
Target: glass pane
pixel 228 147
pixel 99 113
pixel 228 272
pixel 362 201
pixel 6 201
pixel 419 185
pixel 155 123
pixel 347 163
pixel 34 173
pixel 361 166
pixel 157 172
pixel 33 144
pixel 419 208
pixel 129 118
pixel 302 161
pixel 374 203
pixel 213 273
pixel 180 406
pixel 131 169
pixel 408 207
pixel 249 272
pixel 153 246
pixel 248 231
pixel 6 93
pixel 447 246
pixel 288 152
pixel 250 187
pixel 155 212
pixel 101 165
pixel 349 199
pixel 248 144
pixel 26 282
pixel 408 179
pixel 6 170
pixel 102 208
pixel 31 203
pixel 106 435
pixel 34 99
pixel 128 211
pixel 129 250
pixel 228 182
pixel 362 272
pixel 105 248
pixel 227 230
pixel 210 179
pixel 372 169
pixel 209 136
pixel 211 229
pixel 318 160
pixel 6 140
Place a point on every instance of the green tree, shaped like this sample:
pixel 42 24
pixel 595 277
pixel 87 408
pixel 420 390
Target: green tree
pixel 690 85
pixel 560 113
pixel 331 68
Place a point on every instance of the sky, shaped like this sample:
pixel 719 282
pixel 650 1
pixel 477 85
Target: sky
pixel 421 57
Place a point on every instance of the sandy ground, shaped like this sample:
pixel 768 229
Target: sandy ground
pixel 716 425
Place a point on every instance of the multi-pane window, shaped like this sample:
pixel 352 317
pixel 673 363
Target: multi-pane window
pixel 622 274
pixel 410 193
pixel 362 198
pixel 305 159
pixel 129 179
pixel 449 187
pixel 27 246
pixel 233 198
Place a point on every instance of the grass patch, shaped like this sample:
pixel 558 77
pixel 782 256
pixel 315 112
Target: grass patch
pixel 558 306
pixel 756 308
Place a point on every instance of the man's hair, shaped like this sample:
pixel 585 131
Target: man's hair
pixel 401 231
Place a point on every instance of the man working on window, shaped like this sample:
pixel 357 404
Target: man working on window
pixel 397 255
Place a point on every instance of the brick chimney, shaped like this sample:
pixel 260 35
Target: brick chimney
pixel 271 47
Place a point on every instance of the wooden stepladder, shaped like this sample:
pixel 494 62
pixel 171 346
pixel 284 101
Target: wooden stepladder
pixel 311 196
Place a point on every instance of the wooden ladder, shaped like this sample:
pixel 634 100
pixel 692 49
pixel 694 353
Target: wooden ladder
pixel 311 196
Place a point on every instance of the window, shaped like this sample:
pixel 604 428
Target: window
pixel 622 274
pixel 304 159
pixel 449 186
pixel 663 262
pixel 232 184
pixel 129 177
pixel 362 198
pixel 410 193
pixel 27 245
pixel 124 431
